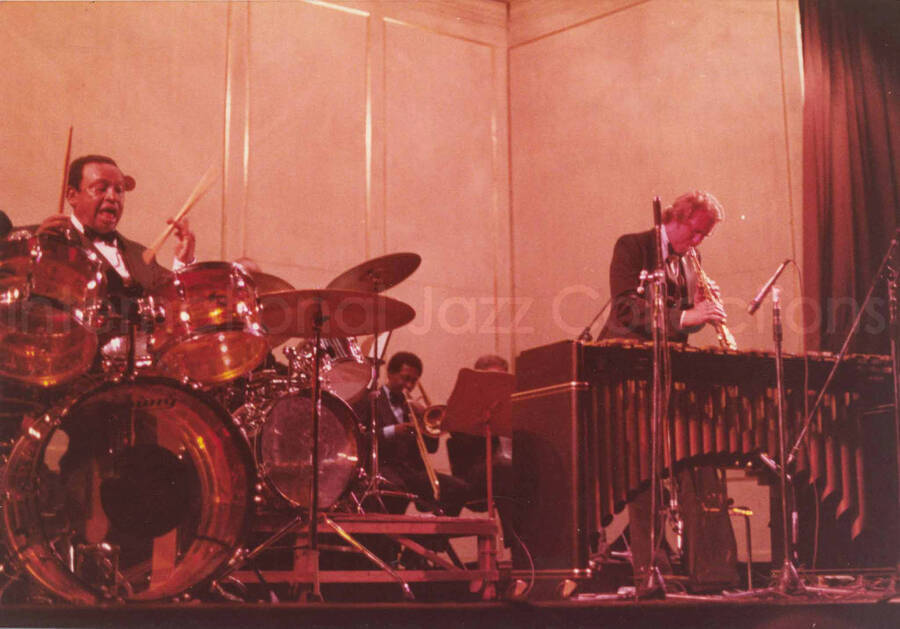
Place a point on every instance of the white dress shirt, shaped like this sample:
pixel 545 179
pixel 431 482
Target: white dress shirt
pixel 113 255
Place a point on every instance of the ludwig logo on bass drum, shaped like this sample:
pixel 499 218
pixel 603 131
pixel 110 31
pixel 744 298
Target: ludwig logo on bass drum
pixel 154 402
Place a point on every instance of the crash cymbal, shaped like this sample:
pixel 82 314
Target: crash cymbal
pixel 378 274
pixel 267 283
pixel 342 313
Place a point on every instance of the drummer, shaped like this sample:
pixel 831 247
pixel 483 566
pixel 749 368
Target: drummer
pixel 95 189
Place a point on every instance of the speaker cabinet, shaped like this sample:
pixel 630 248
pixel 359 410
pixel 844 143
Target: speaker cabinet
pixel 551 462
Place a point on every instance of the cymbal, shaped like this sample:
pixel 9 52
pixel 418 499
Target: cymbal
pixel 378 274
pixel 344 313
pixel 267 283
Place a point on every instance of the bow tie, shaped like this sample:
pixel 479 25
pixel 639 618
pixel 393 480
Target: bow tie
pixel 93 235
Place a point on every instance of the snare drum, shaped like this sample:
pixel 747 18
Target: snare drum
pixel 139 490
pixel 51 291
pixel 212 331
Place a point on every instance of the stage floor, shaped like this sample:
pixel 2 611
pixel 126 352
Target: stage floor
pixel 787 614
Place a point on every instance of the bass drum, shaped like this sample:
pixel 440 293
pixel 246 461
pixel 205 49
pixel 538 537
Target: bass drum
pixel 284 443
pixel 139 490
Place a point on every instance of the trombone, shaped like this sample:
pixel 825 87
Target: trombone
pixel 423 451
pixel 433 416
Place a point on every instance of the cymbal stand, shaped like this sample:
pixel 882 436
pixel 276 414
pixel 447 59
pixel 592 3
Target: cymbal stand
pixel 318 321
pixel 316 594
pixel 376 482
pixel 334 526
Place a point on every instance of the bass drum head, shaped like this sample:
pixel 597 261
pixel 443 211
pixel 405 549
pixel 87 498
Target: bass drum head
pixel 139 491
pixel 285 448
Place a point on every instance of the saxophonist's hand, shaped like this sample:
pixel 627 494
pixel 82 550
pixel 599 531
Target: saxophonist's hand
pixel 703 312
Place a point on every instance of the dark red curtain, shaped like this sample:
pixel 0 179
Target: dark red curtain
pixel 851 164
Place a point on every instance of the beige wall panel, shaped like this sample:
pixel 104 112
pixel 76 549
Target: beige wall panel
pixel 440 188
pixel 659 99
pixel 306 204
pixel 453 327
pixel 530 19
pixel 476 20
pixel 133 87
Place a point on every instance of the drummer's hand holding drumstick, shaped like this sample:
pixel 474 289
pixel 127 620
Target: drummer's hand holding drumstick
pixel 185 241
pixel 57 224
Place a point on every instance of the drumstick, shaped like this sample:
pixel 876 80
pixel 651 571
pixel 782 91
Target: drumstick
pixel 65 182
pixel 196 195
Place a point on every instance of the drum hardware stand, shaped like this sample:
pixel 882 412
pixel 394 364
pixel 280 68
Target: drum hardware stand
pixel 376 482
pixel 316 595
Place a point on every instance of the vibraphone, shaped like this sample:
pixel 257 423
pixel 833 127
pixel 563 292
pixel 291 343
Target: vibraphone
pixel 581 424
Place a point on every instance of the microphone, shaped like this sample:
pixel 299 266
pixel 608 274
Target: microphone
pixel 770 463
pixel 754 305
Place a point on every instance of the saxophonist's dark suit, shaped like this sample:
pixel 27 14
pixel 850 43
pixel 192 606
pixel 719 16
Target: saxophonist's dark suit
pixel 630 315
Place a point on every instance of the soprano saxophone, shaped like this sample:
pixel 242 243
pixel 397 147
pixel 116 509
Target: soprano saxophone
pixel 726 338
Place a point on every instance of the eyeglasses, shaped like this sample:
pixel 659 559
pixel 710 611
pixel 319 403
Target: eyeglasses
pixel 101 187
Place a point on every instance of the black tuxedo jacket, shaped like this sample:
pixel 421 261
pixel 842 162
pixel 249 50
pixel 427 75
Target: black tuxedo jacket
pixel 121 295
pixel 399 450
pixel 630 314
pixel 143 276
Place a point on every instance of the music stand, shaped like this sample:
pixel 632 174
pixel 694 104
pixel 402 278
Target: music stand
pixel 481 405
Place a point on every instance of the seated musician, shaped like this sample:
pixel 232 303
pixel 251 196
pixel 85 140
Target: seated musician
pixel 686 223
pixel 469 461
pixel 400 461
pixel 95 189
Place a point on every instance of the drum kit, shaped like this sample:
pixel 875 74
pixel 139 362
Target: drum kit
pixel 141 445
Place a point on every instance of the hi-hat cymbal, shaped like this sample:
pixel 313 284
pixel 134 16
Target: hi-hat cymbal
pixel 340 313
pixel 267 283
pixel 378 274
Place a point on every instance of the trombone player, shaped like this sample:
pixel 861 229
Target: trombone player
pixel 403 458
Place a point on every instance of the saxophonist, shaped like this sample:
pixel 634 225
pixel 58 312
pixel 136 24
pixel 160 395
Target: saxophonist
pixel 686 223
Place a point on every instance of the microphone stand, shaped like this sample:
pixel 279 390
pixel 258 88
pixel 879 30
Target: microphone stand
pixel 889 270
pixel 653 585
pixel 789 580
pixel 585 336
